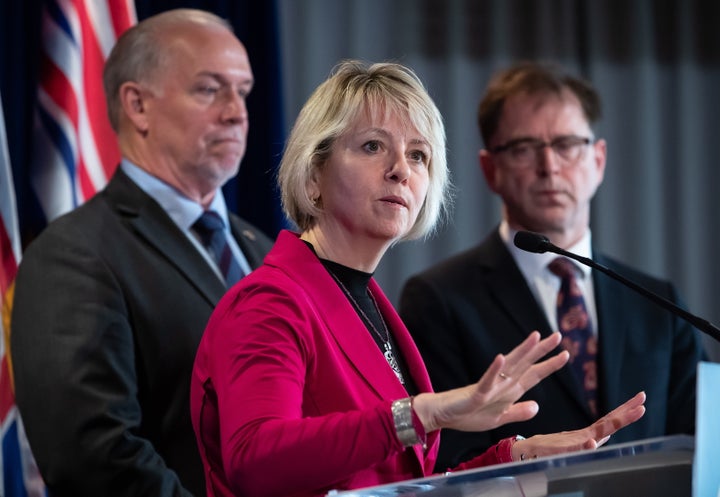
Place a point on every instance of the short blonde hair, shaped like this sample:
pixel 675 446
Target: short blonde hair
pixel 332 109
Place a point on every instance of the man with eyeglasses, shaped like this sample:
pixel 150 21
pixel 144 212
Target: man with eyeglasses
pixel 543 160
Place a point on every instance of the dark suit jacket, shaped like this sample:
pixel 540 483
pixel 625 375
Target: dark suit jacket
pixel 465 310
pixel 110 303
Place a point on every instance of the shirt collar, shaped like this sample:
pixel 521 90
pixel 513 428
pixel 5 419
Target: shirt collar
pixel 182 210
pixel 532 264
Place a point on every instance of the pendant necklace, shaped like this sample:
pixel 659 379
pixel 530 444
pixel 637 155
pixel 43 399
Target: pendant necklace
pixel 389 354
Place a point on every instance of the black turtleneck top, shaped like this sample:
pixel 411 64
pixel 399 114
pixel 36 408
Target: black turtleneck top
pixel 354 285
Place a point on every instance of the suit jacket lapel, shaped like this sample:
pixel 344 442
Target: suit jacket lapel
pixel 509 287
pixel 246 238
pixel 609 304
pixel 152 223
pixel 405 344
pixel 348 330
pixel 413 359
pixel 341 319
pixel 353 338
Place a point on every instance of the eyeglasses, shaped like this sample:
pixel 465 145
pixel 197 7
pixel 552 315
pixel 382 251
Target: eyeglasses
pixel 524 152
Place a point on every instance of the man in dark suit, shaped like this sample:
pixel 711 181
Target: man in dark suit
pixel 111 300
pixel 542 158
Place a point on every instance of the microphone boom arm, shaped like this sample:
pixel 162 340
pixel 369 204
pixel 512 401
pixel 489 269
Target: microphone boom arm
pixel 701 324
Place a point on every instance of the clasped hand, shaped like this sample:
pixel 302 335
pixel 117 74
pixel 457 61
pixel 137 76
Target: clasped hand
pixel 493 401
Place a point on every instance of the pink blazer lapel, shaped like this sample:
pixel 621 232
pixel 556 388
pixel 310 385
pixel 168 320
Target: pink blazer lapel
pixel 403 339
pixel 362 351
pixel 415 365
pixel 341 320
pixel 356 343
pixel 350 333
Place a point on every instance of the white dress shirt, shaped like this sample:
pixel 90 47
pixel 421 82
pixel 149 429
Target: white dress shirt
pixel 543 283
pixel 184 212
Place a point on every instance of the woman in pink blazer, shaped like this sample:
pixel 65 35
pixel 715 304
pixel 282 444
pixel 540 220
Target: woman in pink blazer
pixel 306 380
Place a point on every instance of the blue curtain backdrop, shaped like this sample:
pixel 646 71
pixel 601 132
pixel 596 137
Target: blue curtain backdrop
pixel 251 194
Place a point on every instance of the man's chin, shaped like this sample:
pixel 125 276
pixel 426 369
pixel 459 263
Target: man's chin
pixel 230 164
pixel 223 172
pixel 545 225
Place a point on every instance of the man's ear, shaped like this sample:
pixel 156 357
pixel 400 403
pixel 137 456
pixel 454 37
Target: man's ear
pixel 134 100
pixel 600 148
pixel 489 168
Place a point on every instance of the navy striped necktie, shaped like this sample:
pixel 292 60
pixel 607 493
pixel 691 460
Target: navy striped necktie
pixel 574 324
pixel 211 229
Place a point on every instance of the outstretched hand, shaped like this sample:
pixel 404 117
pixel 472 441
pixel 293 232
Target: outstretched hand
pixel 492 401
pixel 590 437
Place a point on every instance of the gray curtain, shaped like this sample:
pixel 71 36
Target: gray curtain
pixel 655 63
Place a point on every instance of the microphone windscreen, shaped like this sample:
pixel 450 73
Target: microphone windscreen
pixel 531 242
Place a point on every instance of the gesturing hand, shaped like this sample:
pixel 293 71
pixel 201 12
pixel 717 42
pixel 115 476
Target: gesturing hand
pixel 590 437
pixel 492 401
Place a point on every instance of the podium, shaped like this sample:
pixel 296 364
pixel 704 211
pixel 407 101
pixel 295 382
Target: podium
pixel 659 466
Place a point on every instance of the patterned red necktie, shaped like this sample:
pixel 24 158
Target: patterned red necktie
pixel 574 324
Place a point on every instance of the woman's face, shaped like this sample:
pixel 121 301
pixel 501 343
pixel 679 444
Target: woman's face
pixel 374 182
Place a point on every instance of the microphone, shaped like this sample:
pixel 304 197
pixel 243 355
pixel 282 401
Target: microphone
pixel 539 244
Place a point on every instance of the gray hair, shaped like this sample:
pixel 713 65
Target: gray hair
pixel 140 52
pixel 331 110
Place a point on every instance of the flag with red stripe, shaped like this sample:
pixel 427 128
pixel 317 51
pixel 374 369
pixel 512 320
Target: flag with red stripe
pixel 19 477
pixel 75 148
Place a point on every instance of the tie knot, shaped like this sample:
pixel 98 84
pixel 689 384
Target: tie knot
pixel 562 267
pixel 209 223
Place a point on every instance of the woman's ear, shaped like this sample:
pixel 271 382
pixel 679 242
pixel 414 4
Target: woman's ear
pixel 313 184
